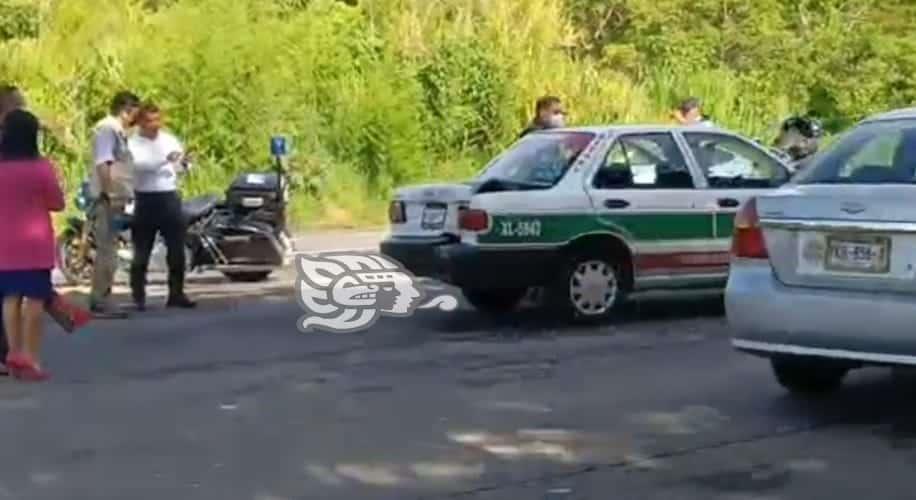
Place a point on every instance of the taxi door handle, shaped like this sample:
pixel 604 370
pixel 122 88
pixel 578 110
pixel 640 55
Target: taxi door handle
pixel 728 202
pixel 615 203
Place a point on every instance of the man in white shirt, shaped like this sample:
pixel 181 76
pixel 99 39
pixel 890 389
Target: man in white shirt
pixel 158 160
pixel 111 186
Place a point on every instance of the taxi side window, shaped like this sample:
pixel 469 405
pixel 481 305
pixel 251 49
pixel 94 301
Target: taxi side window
pixel 644 161
pixel 728 162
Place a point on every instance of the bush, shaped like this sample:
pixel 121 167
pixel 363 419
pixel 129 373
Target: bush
pixel 464 91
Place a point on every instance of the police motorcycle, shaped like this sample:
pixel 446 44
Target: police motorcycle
pixel 243 236
pixel 798 140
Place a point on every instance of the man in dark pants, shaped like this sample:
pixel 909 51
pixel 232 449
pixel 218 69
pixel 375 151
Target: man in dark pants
pixel 158 159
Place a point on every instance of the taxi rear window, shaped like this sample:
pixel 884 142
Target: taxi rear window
pixel 540 158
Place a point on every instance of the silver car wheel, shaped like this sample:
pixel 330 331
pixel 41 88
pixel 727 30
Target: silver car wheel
pixel 593 288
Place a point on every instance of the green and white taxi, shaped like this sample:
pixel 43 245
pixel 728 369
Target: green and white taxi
pixel 593 215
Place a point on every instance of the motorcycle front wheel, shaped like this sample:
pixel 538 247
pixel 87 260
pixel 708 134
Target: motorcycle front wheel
pixel 76 271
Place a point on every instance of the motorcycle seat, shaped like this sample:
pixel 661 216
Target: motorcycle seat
pixel 199 206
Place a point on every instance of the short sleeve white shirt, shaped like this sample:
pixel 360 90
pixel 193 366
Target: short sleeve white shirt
pixel 154 173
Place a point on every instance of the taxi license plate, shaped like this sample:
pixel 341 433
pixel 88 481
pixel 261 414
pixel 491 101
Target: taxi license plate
pixel 862 255
pixel 434 216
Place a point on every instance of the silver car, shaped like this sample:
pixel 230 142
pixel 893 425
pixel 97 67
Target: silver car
pixel 823 272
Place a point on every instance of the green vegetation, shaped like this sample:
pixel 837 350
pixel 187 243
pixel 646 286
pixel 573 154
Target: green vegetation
pixel 379 93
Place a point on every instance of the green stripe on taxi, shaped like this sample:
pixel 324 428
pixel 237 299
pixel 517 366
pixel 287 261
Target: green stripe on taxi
pixel 558 229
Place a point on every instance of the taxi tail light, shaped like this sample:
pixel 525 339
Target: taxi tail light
pixel 397 213
pixel 747 240
pixel 473 219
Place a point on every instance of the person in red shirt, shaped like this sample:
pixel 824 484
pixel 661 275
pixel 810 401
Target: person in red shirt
pixel 29 192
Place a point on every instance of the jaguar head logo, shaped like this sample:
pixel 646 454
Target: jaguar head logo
pixel 348 292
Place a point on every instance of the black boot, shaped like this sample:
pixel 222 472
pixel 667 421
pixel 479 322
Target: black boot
pixel 181 302
pixel 138 289
pixel 177 298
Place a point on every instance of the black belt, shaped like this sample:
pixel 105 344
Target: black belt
pixel 155 193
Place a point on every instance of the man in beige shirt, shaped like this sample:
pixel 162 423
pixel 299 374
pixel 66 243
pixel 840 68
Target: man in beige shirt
pixel 111 186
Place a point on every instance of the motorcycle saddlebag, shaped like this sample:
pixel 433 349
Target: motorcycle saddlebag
pixel 251 243
pixel 253 191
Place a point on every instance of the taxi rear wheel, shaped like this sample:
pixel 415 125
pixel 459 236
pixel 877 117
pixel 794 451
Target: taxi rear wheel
pixel 808 377
pixel 590 287
pixel 495 301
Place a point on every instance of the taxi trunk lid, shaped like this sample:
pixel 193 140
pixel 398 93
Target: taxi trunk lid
pixel 428 210
pixel 852 237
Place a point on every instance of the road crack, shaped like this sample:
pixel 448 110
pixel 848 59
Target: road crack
pixel 625 463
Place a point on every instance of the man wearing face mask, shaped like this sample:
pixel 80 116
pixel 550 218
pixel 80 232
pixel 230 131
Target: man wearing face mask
pixel 690 112
pixel 548 113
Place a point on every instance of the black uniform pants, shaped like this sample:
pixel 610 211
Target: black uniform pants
pixel 158 213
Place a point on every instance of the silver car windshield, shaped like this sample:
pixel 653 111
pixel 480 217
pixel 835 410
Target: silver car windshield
pixel 882 152
pixel 540 158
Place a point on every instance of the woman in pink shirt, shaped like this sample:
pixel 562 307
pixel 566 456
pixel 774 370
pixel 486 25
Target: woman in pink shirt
pixel 29 192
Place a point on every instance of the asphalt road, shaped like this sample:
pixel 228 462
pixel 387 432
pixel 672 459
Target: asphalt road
pixel 231 402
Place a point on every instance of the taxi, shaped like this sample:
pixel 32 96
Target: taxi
pixel 594 215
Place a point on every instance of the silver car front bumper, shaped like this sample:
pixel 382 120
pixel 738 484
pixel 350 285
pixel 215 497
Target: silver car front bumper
pixel 768 318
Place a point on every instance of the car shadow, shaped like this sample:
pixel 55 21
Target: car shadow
pixel 533 320
pixel 875 399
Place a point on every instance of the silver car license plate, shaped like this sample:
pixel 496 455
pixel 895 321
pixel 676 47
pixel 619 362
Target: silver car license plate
pixel 858 254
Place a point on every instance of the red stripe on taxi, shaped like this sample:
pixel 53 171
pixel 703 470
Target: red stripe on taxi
pixel 681 260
